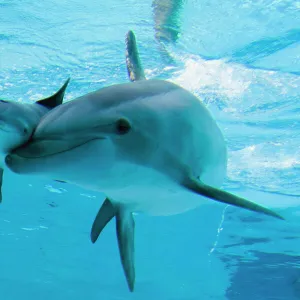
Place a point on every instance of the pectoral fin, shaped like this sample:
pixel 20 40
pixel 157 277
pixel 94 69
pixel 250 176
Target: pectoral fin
pixel 105 214
pixel 228 198
pixel 125 235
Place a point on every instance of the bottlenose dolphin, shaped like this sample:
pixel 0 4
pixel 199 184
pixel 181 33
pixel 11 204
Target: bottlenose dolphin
pixel 18 121
pixel 151 146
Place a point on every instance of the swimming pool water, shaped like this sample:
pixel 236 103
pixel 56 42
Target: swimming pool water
pixel 242 59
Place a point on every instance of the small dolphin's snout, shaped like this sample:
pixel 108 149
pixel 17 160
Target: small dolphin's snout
pixel 8 160
pixel 11 161
pixel 18 164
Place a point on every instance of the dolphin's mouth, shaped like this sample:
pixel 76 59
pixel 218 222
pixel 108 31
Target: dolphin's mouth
pixel 35 149
pixel 5 128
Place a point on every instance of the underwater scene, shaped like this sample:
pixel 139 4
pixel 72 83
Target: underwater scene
pixel 150 150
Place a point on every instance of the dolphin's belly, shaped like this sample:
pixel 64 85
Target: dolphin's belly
pixel 145 190
pixel 157 200
pixel 138 187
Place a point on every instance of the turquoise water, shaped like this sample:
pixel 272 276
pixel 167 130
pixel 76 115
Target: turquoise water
pixel 242 59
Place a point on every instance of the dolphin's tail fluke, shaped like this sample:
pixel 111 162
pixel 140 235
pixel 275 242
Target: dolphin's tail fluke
pixel 125 235
pixel 133 63
pixel 228 198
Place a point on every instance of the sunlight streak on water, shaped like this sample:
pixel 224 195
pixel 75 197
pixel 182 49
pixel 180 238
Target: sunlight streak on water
pixel 219 231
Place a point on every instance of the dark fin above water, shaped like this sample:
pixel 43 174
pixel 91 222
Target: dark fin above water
pixel 228 198
pixel 125 235
pixel 55 99
pixel 1 180
pixel 61 181
pixel 133 63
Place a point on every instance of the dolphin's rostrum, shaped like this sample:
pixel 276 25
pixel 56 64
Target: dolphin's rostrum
pixel 18 121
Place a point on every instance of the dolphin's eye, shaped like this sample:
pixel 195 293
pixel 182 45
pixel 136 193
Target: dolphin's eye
pixel 123 126
pixel 3 101
pixel 25 130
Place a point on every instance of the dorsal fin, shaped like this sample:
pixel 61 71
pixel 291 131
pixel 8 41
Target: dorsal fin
pixel 55 99
pixel 133 63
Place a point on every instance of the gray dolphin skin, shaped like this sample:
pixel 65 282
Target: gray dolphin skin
pixel 133 63
pixel 18 121
pixel 151 146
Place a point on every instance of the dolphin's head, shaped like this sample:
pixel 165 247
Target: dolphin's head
pixel 17 123
pixel 19 120
pixel 121 119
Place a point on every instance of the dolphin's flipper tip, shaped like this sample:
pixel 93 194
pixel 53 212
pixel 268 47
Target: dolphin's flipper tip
pixel 133 63
pixel 228 198
pixel 55 99
pixel 125 235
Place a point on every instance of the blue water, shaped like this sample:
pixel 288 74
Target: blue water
pixel 242 59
